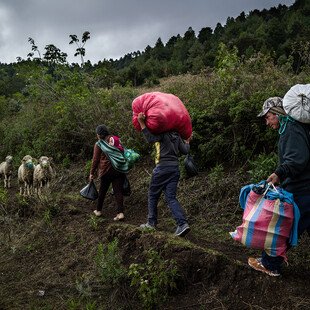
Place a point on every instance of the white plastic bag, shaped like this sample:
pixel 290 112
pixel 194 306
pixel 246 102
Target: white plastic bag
pixel 296 103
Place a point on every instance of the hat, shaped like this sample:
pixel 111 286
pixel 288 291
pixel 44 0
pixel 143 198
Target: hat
pixel 274 104
pixel 102 130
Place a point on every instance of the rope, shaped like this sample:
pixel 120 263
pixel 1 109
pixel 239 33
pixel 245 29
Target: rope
pixel 283 120
pixel 305 102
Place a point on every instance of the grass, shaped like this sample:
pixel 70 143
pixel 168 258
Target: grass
pixel 59 258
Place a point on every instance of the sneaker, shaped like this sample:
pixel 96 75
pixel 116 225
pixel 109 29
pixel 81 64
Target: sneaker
pixel 147 226
pixel 119 217
pixel 182 230
pixel 256 263
pixel 97 213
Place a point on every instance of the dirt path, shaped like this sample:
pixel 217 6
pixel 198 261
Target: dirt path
pixel 54 255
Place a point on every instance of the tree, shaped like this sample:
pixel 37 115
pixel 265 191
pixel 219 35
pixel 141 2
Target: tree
pixel 189 35
pixel 159 51
pixel 54 55
pixel 205 34
pixel 80 46
pixel 34 48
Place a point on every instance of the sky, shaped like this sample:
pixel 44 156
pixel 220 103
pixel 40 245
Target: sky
pixel 116 27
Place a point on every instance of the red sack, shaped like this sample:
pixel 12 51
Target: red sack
pixel 164 112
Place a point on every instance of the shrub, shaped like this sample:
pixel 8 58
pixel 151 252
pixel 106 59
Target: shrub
pixel 153 278
pixel 262 167
pixel 109 263
pixel 3 197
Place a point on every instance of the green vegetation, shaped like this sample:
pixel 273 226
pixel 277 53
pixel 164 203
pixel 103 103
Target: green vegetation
pixel 109 263
pixel 59 118
pixel 48 107
pixel 52 107
pixel 153 278
pixel 281 32
pixel 3 197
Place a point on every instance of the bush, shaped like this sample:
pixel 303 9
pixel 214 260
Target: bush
pixel 262 167
pixel 109 263
pixel 153 278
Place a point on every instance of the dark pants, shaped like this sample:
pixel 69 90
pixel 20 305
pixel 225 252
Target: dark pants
pixel 117 179
pixel 165 178
pixel 303 203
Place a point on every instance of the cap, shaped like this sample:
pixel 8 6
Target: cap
pixel 274 103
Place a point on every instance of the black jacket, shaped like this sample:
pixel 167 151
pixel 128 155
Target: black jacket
pixel 168 146
pixel 294 155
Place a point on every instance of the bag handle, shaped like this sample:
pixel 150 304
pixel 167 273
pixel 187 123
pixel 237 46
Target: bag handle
pixel 270 184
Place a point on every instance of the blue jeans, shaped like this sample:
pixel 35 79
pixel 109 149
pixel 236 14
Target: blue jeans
pixel 165 178
pixel 303 203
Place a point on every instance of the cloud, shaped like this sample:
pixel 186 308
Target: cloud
pixel 116 27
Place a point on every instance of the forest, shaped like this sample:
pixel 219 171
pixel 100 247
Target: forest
pixel 53 244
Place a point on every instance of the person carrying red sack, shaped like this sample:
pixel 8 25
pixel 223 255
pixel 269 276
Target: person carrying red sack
pixel 165 176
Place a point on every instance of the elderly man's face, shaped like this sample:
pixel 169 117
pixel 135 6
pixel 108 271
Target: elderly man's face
pixel 272 120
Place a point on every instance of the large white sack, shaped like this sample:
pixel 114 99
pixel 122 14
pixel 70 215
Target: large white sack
pixel 296 102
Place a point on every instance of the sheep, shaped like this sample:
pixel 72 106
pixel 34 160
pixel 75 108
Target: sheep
pixel 6 169
pixel 25 175
pixel 43 174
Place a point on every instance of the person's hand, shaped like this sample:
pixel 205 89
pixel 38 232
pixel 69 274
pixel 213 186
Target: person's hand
pixel 91 177
pixel 141 119
pixel 274 179
pixel 189 139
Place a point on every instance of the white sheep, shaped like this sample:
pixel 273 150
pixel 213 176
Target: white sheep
pixel 43 174
pixel 6 169
pixel 25 175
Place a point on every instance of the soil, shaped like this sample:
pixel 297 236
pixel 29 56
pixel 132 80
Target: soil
pixel 47 259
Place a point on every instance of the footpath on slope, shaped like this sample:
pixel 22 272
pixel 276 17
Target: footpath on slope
pixel 51 255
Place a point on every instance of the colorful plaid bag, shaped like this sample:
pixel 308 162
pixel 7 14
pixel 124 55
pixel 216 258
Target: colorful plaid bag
pixel 270 219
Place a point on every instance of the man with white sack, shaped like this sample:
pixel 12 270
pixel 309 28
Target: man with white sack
pixel 291 117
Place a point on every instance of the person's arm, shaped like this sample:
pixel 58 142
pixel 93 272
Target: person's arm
pixel 151 138
pixel 141 119
pixel 295 155
pixel 95 162
pixel 184 145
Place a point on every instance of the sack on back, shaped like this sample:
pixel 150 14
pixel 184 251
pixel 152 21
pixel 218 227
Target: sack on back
pixel 164 112
pixel 296 103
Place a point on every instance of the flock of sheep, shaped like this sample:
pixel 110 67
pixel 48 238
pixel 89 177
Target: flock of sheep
pixel 33 175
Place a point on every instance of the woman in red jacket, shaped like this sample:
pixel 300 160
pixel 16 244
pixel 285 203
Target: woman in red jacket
pixel 107 174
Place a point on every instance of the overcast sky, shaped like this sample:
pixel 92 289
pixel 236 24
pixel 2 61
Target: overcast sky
pixel 116 27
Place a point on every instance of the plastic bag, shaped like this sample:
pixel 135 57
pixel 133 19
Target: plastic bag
pixel 270 219
pixel 89 191
pixel 131 156
pixel 296 103
pixel 190 166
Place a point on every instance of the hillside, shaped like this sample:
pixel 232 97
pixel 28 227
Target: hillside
pixel 54 254
pixel 49 248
